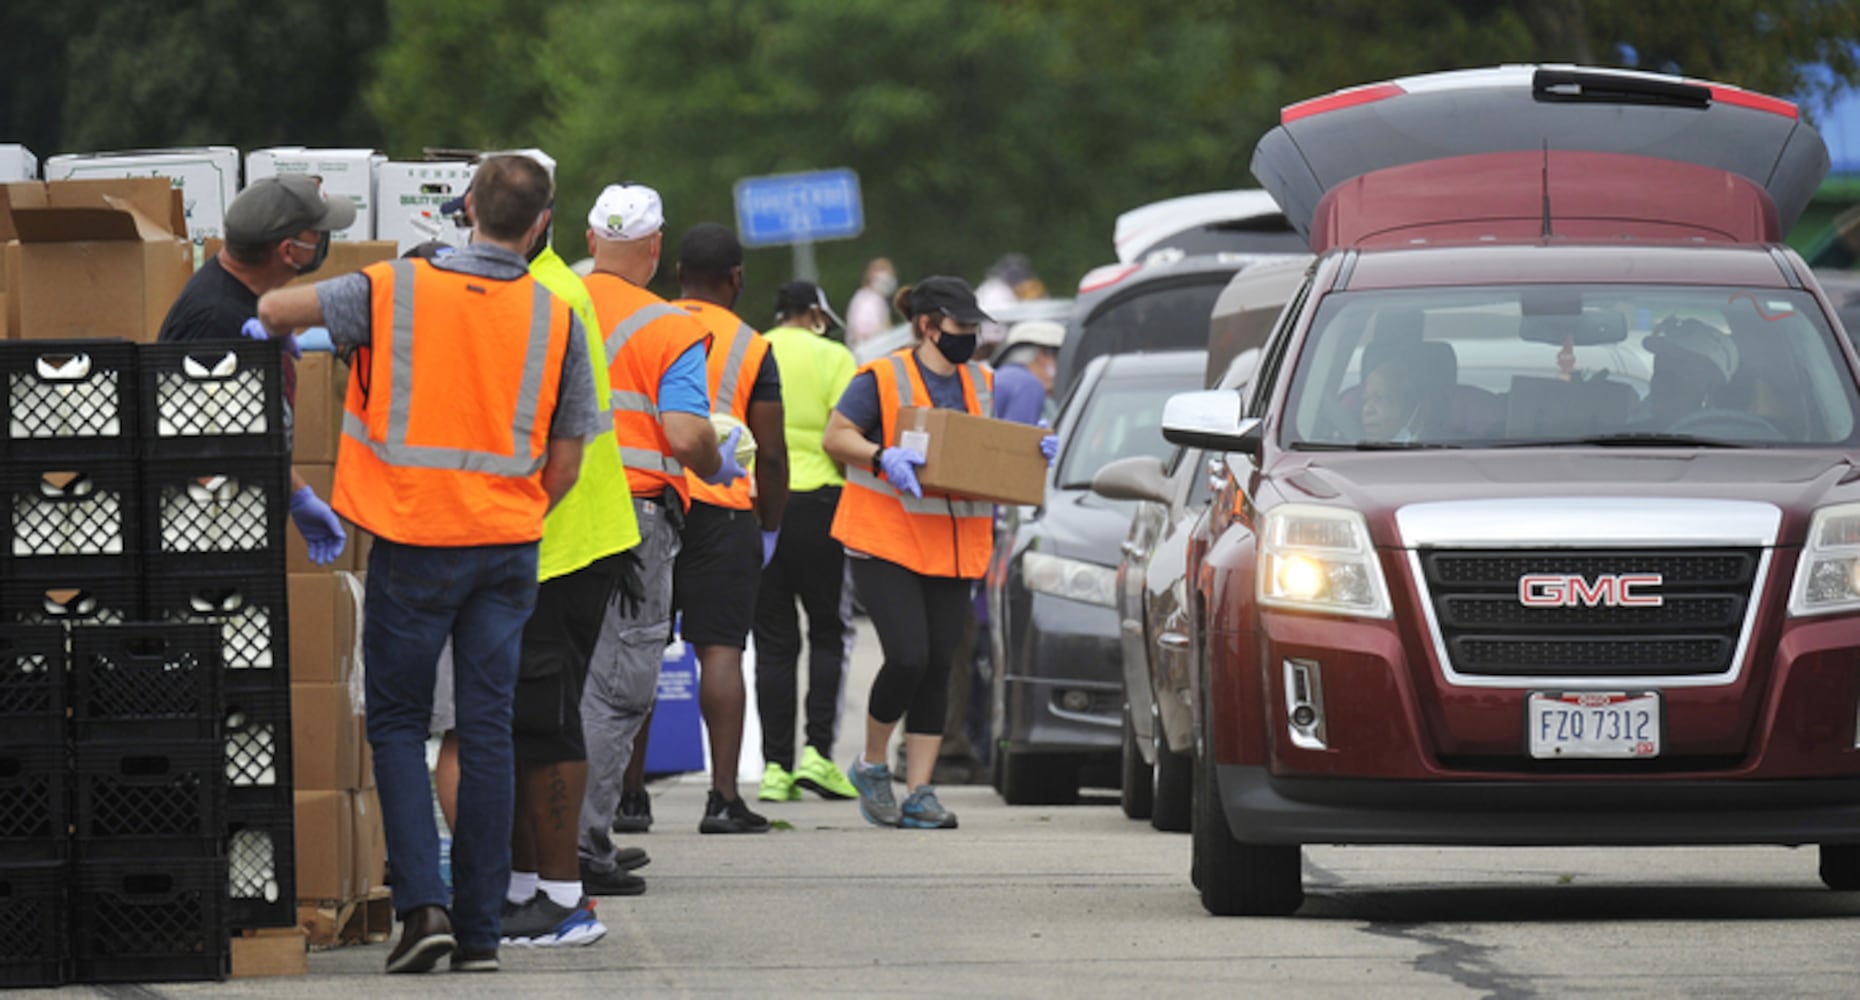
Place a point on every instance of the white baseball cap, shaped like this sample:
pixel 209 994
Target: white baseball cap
pixel 1038 332
pixel 626 212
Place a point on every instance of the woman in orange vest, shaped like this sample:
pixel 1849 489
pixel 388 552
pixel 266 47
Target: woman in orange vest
pixel 914 555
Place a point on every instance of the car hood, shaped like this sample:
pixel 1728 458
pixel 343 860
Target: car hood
pixel 1079 524
pixel 1381 483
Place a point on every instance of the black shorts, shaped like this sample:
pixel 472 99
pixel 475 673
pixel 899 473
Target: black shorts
pixel 718 571
pixel 558 643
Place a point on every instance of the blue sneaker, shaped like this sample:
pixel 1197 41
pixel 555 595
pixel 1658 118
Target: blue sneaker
pixel 876 803
pixel 922 811
pixel 544 923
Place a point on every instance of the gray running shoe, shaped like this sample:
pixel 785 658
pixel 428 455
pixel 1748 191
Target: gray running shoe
pixel 922 811
pixel 876 803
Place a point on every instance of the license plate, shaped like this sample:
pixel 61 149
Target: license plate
pixel 1569 724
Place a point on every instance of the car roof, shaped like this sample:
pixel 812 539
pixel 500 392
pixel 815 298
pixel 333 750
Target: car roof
pixel 1153 363
pixel 1148 226
pixel 1499 264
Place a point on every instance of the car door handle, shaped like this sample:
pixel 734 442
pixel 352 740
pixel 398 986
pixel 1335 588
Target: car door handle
pixel 1174 640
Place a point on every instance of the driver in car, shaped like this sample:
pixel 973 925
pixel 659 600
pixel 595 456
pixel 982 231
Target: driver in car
pixel 1395 405
pixel 1692 364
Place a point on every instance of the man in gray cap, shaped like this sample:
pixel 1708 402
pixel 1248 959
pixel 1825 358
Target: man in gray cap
pixel 276 229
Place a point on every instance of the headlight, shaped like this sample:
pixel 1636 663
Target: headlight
pixel 1070 579
pixel 1827 579
pixel 1320 559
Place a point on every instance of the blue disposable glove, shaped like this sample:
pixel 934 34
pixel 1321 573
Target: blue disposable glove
pixel 1049 445
pixel 768 545
pixel 900 465
pixel 729 470
pixel 256 331
pixel 318 524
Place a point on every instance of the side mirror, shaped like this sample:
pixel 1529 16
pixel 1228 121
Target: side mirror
pixel 1211 420
pixel 1139 477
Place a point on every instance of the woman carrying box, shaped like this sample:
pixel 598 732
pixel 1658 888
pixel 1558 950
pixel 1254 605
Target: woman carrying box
pixel 913 555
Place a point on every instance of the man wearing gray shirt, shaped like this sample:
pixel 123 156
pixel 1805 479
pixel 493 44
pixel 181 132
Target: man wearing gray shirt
pixel 470 395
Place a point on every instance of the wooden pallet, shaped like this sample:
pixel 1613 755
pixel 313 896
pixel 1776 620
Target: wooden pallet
pixel 271 951
pixel 333 924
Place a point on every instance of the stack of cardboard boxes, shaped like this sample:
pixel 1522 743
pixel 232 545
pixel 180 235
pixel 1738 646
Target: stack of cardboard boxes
pixel 92 258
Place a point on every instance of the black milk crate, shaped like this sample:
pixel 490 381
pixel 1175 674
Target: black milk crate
pixel 146 681
pixel 215 515
pixel 261 868
pixel 71 518
pixel 134 799
pixel 217 399
pixel 257 734
pixel 248 609
pixel 35 803
pixel 149 919
pixel 34 923
pixel 32 685
pixel 69 399
pixel 70 600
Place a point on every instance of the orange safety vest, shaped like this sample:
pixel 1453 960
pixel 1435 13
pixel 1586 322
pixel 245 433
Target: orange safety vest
pixel 736 355
pixel 446 424
pixel 646 334
pixel 937 534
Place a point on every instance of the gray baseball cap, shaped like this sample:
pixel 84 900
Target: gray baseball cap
pixel 272 208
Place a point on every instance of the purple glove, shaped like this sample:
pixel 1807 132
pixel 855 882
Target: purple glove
pixel 1049 445
pixel 318 524
pixel 729 470
pixel 900 465
pixel 255 330
pixel 768 545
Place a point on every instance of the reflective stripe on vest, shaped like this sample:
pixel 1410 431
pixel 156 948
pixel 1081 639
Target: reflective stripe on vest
pixel 732 371
pixel 397 452
pixel 920 505
pixel 635 323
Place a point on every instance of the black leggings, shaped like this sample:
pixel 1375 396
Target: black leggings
pixel 919 621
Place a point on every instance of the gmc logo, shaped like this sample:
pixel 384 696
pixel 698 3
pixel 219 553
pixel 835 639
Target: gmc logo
pixel 1565 590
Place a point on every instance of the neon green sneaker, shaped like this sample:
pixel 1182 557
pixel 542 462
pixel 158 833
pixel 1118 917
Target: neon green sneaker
pixel 777 785
pixel 821 776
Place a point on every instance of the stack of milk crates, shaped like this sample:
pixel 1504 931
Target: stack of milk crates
pixel 145 794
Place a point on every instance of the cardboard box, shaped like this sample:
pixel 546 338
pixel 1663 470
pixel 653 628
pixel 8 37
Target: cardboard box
pixel 347 258
pixel 335 923
pixel 17 163
pixel 975 457
pixel 322 381
pixel 206 176
pixel 322 612
pixel 98 258
pixel 270 951
pixel 325 844
pixel 347 172
pixel 370 850
pixel 325 738
pixel 407 200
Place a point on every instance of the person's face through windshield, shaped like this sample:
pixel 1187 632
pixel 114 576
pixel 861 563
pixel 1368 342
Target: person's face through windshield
pixel 1390 401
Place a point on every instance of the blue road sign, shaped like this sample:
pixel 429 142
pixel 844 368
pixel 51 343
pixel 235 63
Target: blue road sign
pixel 798 208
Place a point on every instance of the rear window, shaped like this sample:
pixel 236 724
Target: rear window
pixel 1163 317
pixel 1559 364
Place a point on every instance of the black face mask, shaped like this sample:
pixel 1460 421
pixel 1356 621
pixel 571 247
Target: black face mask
pixel 317 258
pixel 956 347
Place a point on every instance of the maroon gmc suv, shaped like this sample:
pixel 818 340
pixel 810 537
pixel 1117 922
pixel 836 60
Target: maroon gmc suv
pixel 1541 519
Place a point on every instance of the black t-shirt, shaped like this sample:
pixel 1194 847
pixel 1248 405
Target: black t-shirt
pixel 213 306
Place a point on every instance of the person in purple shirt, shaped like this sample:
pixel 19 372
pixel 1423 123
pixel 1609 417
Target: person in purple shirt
pixel 1024 372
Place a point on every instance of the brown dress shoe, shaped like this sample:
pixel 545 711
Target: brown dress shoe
pixel 425 938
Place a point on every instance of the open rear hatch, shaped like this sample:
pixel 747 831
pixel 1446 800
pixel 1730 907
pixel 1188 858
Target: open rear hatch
pixel 1523 151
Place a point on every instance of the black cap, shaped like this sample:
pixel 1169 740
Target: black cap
pixel 797 297
pixel 272 208
pixel 950 296
pixel 710 248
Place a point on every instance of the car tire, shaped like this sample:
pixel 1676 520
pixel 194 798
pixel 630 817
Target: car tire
pixel 1235 879
pixel 1840 867
pixel 1138 783
pixel 1172 780
pixel 1032 779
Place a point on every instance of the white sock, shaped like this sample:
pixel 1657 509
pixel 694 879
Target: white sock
pixel 523 887
pixel 561 893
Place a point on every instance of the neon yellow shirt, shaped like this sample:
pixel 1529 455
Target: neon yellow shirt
pixel 814 373
pixel 595 520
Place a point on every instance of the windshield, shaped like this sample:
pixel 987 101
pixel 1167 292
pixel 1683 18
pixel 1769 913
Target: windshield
pixel 1120 420
pixel 1559 364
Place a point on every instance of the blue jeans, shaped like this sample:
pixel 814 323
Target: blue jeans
pixel 481 597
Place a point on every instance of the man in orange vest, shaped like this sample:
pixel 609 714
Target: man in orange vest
pixel 469 399
pixel 731 530
pixel 656 357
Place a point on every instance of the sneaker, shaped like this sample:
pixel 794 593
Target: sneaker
pixel 544 923
pixel 730 816
pixel 610 883
pixel 823 777
pixel 425 938
pixel 777 785
pixel 922 811
pixel 876 803
pixel 475 960
pixel 635 815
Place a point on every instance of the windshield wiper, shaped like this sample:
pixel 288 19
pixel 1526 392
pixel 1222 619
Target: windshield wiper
pixel 1632 439
pixel 1372 446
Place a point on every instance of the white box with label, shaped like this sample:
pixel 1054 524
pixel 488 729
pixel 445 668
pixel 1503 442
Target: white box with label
pixel 208 177
pixel 347 172
pixel 407 200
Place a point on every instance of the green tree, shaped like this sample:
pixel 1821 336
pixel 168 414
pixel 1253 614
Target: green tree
pixel 460 74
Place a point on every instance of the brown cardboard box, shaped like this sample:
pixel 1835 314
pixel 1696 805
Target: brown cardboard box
pixel 976 457
pixel 346 257
pixel 270 951
pixel 322 479
pixel 325 844
pixel 364 754
pixel 95 258
pixel 322 614
pixel 325 749
pixel 370 849
pixel 321 382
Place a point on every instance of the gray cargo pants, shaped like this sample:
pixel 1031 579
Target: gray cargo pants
pixel 623 678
